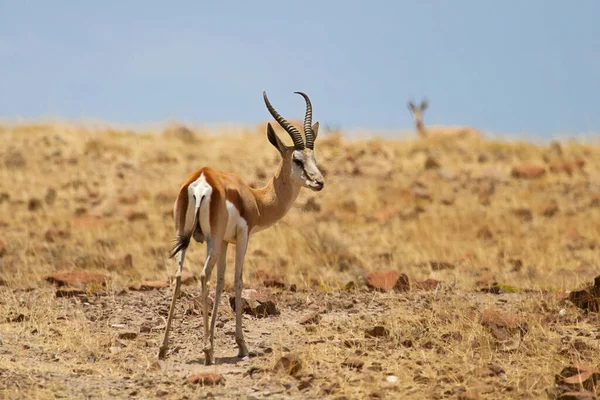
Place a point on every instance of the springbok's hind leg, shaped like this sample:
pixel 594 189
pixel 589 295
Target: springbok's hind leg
pixel 221 264
pixel 212 257
pixel 162 352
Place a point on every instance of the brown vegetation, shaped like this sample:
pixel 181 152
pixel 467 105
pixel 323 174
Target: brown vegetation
pixel 471 261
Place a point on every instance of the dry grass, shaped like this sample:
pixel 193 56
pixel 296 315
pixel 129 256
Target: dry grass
pixel 84 198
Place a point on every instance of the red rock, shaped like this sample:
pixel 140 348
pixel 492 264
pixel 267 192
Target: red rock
pixel 485 233
pixel 69 292
pixel 259 303
pixel 312 318
pixel 77 279
pixel 507 329
pixel 353 363
pixel 206 379
pixel 151 285
pixel 387 280
pixel 132 215
pixel 580 395
pixel 427 284
pixel 577 375
pixel 289 363
pixel 377 331
pixel 528 171
pixel 550 208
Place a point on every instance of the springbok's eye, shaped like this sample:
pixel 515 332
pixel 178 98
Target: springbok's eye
pixel 298 163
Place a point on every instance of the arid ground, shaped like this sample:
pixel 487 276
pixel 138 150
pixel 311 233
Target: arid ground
pixel 424 269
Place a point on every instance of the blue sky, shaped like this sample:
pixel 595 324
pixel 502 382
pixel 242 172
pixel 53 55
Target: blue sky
pixel 517 67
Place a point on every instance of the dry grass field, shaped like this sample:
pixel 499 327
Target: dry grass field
pixel 489 233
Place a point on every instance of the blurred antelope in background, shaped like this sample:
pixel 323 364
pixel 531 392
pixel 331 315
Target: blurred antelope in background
pixel 221 208
pixel 438 131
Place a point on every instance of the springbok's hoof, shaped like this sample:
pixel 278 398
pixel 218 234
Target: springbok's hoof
pixel 208 357
pixel 162 352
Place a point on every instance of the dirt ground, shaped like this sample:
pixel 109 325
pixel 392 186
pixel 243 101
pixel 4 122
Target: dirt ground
pixel 489 234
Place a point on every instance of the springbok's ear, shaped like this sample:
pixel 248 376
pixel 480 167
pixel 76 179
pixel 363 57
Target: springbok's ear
pixel 424 105
pixel 411 106
pixel 315 129
pixel 275 141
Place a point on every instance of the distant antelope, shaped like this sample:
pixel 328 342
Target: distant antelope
pixel 220 208
pixel 438 131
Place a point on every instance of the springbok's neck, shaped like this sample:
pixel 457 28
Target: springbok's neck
pixel 420 127
pixel 276 198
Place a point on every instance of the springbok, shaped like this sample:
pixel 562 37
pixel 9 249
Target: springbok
pixel 221 208
pixel 438 131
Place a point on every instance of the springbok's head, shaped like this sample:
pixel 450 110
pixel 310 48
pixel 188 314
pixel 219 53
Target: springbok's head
pixel 298 160
pixel 417 111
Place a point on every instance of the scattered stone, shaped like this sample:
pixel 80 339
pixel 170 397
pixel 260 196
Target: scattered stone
pixel 77 279
pixel 577 376
pixel 161 393
pixel 485 233
pixel 353 363
pixel 431 163
pixel 387 280
pixel 581 395
pixel 550 209
pixel 52 235
pixel 151 285
pixel 446 175
pixel 312 318
pixel 34 204
pixel 128 335
pixel 524 213
pixel 377 331
pixel 311 205
pixel 507 329
pixel 206 379
pixel 427 284
pixel 422 193
pixel 589 298
pixel 132 215
pixel 259 303
pixel 289 363
pixel 50 197
pixel 69 292
pixel 528 171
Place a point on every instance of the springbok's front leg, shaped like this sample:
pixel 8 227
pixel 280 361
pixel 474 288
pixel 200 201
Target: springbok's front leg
pixel 162 352
pixel 240 253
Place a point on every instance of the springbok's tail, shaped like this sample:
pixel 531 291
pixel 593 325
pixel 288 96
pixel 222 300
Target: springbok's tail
pixel 182 241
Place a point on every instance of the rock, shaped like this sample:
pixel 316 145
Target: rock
pixel 353 363
pixel 528 171
pixel 206 379
pixel 506 329
pixel 34 204
pixel 485 233
pixel 524 213
pixel 259 303
pixel 589 298
pixel 581 395
pixel 431 163
pixel 77 279
pixel 311 205
pixel 132 215
pixel 387 280
pixel 576 376
pixel 151 285
pixel 312 318
pixel 377 331
pixel 50 197
pixel 69 292
pixel 550 209
pixel 128 335
pixel 52 235
pixel 446 175
pixel 427 284
pixel 421 193
pixel 289 363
